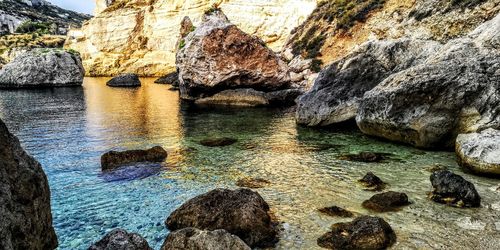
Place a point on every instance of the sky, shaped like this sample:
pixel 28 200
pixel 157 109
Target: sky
pixel 83 6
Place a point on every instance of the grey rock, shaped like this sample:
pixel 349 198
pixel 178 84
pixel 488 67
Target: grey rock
pixel 25 215
pixel 480 152
pixel 119 239
pixel 195 239
pixel 125 80
pixel 43 68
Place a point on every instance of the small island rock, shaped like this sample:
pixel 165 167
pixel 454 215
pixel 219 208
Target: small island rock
pixel 114 159
pixel 125 80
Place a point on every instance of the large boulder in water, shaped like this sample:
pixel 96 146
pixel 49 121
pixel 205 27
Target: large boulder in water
pixel 480 152
pixel 43 68
pixel 453 190
pixel 455 91
pixel 114 159
pixel 25 215
pixel 125 80
pixel 339 88
pixel 119 239
pixel 241 212
pixel 192 238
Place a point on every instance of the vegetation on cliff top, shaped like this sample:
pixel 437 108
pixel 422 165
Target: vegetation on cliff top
pixel 28 41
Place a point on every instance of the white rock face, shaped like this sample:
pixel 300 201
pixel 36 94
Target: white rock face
pixel 480 152
pixel 140 36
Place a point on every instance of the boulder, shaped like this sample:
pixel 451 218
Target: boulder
pixel 241 212
pixel 480 152
pixel 125 80
pixel 194 239
pixel 25 215
pixel 252 182
pixel 385 202
pixel 43 68
pixel 119 239
pixel 336 211
pixel 340 87
pixel 373 182
pixel 171 78
pixel 455 91
pixel 364 232
pixel 453 190
pixel 218 142
pixel 251 98
pixel 114 159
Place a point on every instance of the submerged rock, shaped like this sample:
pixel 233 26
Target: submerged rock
pixel 125 80
pixel 119 239
pixel 171 78
pixel 388 201
pixel 363 233
pixel 43 68
pixel 131 172
pixel 365 157
pixel 218 142
pixel 114 159
pixel 252 182
pixel 453 190
pixel 25 215
pixel 236 97
pixel 192 238
pixel 480 152
pixel 373 182
pixel 241 212
pixel 336 211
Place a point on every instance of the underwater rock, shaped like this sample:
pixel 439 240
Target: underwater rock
pixel 132 172
pixel 25 214
pixel 373 182
pixel 365 157
pixel 480 152
pixel 336 211
pixel 453 190
pixel 119 239
pixel 236 97
pixel 43 68
pixel 388 201
pixel 171 78
pixel 192 238
pixel 241 212
pixel 364 232
pixel 114 159
pixel 125 80
pixel 252 182
pixel 218 142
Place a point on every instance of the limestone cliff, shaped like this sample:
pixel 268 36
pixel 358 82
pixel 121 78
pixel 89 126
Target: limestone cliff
pixel 140 36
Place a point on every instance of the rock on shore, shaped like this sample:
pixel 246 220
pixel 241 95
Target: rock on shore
pixel 114 159
pixel 119 239
pixel 453 190
pixel 192 238
pixel 480 152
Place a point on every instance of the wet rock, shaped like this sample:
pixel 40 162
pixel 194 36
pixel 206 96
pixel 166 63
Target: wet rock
pixel 192 238
pixel 125 80
pixel 43 68
pixel 25 215
pixel 480 152
pixel 363 233
pixel 252 182
pixel 453 190
pixel 132 172
pixel 114 159
pixel 336 211
pixel 365 157
pixel 236 97
pixel 171 78
pixel 218 142
pixel 373 182
pixel 241 212
pixel 388 201
pixel 119 239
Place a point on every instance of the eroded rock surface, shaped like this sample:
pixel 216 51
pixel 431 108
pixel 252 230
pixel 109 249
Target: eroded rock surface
pixel 480 152
pixel 453 190
pixel 119 239
pixel 195 239
pixel 114 159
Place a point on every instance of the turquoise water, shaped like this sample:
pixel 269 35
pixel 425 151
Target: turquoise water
pixel 68 129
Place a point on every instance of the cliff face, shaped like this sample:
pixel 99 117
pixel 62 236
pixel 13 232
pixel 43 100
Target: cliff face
pixel 140 36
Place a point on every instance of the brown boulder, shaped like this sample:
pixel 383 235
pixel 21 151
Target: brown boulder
pixel 114 159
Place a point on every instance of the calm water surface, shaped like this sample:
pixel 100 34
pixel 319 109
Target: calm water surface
pixel 68 129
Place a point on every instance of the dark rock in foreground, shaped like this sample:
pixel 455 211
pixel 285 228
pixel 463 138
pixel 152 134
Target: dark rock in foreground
pixel 125 80
pixel 119 239
pixel 363 233
pixel 365 157
pixel 336 211
pixel 252 182
pixel 385 202
pixel 114 159
pixel 241 212
pixel 192 238
pixel 480 152
pixel 373 182
pixel 172 78
pixel 218 142
pixel 25 215
pixel 453 190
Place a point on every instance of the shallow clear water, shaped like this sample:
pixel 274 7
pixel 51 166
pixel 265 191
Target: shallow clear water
pixel 68 129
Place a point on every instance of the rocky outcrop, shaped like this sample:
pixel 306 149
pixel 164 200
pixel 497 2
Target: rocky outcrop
pixel 388 201
pixel 26 219
pixel 114 159
pixel 119 239
pixel 192 238
pixel 125 80
pixel 453 190
pixel 241 212
pixel 480 152
pixel 43 68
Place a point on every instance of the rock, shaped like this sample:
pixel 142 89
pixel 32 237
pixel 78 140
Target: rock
pixel 455 91
pixel 284 97
pixel 241 212
pixel 363 233
pixel 336 211
pixel 453 190
pixel 119 239
pixel 372 182
pixel 218 56
pixel 480 152
pixel 299 64
pixel 125 80
pixel 26 219
pixel 114 159
pixel 43 68
pixel 186 27
pixel 436 167
pixel 218 142
pixel 172 78
pixel 252 182
pixel 236 97
pixel 365 157
pixel 192 238
pixel 388 201
pixel 339 87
